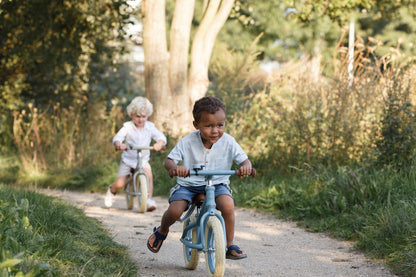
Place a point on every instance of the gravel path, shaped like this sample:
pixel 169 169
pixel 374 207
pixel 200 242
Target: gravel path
pixel 274 247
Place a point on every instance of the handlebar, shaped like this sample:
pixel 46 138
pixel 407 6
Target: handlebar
pixel 212 172
pixel 133 147
pixel 219 172
pixel 202 172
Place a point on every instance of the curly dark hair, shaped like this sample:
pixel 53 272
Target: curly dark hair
pixel 207 104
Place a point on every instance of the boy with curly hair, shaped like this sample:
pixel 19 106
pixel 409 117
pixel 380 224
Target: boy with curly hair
pixel 216 150
pixel 138 132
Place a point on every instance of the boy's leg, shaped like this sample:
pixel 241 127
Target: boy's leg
pixel 112 190
pixel 151 204
pixel 150 176
pixel 119 183
pixel 122 176
pixel 225 204
pixel 171 215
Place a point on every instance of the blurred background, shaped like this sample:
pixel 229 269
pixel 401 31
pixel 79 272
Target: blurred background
pixel 320 94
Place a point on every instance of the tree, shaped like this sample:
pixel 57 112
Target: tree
pixel 59 51
pixel 172 83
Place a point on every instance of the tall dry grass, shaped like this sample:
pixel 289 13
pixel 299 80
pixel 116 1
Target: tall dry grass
pixel 300 117
pixel 62 139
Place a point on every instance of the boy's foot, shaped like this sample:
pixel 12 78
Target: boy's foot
pixel 235 253
pixel 109 198
pixel 155 241
pixel 151 205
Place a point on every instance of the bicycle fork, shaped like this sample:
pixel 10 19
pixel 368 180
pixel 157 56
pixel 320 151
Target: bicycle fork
pixel 202 215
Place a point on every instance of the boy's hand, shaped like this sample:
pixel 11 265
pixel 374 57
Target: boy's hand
pixel 180 171
pixel 159 146
pixel 246 171
pixel 120 147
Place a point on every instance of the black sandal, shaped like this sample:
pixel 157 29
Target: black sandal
pixel 234 253
pixel 159 238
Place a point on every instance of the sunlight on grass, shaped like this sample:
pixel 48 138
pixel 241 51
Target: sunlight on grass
pixel 34 176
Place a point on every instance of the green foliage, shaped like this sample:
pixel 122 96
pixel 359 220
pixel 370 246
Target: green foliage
pixel 16 232
pixel 374 207
pixel 46 237
pixel 339 11
pixel 284 37
pixel 301 116
pixel 57 50
pixel 398 34
pixel 9 167
pixel 293 30
pixel 62 52
pixel 162 183
pixel 397 145
pixel 234 76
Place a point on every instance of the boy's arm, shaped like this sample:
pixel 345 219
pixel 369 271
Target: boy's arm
pixel 175 170
pixel 119 138
pixel 158 136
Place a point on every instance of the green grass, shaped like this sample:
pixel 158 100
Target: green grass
pixel 47 237
pixel 9 167
pixel 374 207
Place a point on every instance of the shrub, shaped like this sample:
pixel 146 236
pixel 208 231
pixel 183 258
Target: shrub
pixel 397 145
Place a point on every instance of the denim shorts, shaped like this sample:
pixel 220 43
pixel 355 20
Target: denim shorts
pixel 179 192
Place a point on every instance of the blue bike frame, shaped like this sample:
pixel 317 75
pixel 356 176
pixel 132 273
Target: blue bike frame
pixel 207 209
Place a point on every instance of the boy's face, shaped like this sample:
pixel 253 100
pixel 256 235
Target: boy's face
pixel 211 127
pixel 139 120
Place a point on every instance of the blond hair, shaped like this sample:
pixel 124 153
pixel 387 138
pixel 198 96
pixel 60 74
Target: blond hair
pixel 140 106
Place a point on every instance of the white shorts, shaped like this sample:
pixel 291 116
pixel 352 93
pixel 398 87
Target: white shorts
pixel 124 169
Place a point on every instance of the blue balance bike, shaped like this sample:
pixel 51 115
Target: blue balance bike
pixel 204 230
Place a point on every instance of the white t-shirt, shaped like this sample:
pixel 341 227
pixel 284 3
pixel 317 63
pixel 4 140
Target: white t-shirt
pixel 190 150
pixel 140 138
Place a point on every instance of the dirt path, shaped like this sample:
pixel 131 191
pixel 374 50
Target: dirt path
pixel 274 247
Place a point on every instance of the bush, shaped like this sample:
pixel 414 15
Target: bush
pixel 397 145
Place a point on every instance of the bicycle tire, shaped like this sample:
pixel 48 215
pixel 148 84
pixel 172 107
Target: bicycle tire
pixel 191 255
pixel 142 185
pixel 130 197
pixel 215 244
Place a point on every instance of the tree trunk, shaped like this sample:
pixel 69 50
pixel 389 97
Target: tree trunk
pixel 215 15
pixel 172 84
pixel 156 57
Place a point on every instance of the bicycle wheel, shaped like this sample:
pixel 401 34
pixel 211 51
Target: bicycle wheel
pixel 141 183
pixel 190 255
pixel 215 244
pixel 129 196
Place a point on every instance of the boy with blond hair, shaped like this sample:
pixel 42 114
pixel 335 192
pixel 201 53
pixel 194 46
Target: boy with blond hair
pixel 138 132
